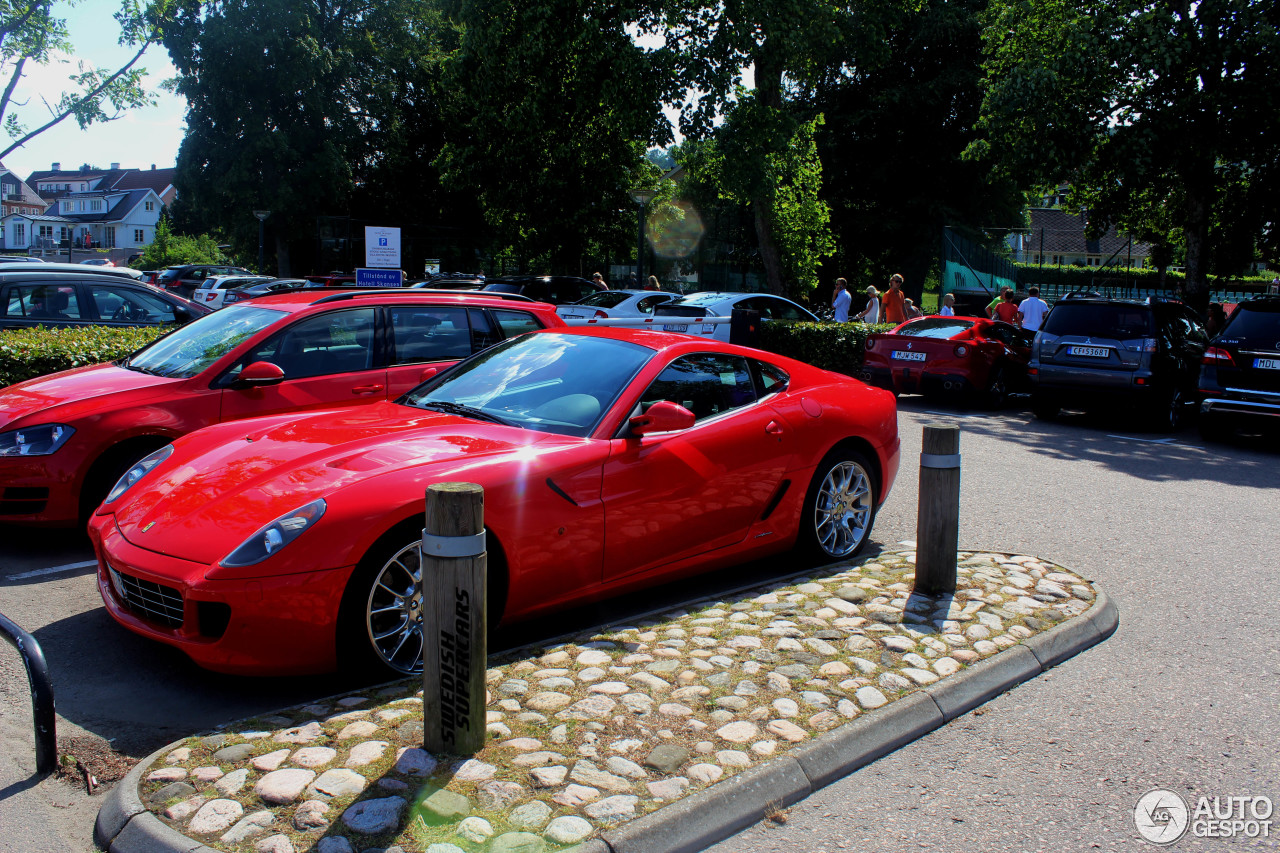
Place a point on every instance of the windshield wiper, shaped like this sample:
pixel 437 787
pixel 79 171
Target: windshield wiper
pixel 128 365
pixel 467 412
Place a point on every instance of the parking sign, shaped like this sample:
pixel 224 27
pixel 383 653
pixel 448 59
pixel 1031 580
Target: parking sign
pixel 381 247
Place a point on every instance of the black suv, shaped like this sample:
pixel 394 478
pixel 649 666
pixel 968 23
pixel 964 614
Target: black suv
pixel 1240 376
pixel 184 280
pixel 556 289
pixel 1095 350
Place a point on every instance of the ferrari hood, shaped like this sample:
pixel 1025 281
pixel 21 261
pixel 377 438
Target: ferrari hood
pixel 82 386
pixel 223 483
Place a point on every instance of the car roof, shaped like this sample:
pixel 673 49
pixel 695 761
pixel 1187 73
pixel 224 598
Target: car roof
pixel 79 269
pixel 82 274
pixel 677 343
pixel 303 298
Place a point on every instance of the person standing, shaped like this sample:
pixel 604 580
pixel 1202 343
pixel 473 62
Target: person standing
pixel 948 305
pixel 994 303
pixel 909 308
pixel 652 283
pixel 1007 310
pixel 1031 311
pixel 893 307
pixel 871 314
pixel 841 301
pixel 599 279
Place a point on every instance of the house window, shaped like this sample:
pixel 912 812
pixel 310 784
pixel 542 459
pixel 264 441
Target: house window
pixel 83 187
pixel 19 232
pixel 150 206
pixel 81 204
pixel 139 235
pixel 111 237
pixel 96 204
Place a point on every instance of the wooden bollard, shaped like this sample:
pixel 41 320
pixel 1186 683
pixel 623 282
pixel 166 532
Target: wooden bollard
pixel 938 518
pixel 454 630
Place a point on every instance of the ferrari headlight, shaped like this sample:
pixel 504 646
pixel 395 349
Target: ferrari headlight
pixel 34 441
pixel 275 535
pixel 137 472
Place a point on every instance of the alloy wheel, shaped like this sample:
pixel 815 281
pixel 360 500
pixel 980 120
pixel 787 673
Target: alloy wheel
pixel 843 510
pixel 393 611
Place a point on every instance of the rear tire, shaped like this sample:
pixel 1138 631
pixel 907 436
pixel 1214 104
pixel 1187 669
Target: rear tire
pixel 997 388
pixel 839 508
pixel 1168 411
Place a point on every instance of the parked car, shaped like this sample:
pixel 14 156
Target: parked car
pixel 1240 371
pixel 1094 350
pixel 36 265
pixel 183 280
pixel 332 279
pixel 445 283
pixel 556 289
pixel 67 437
pixel 98 262
pixel 615 303
pixel 212 292
pixel 685 311
pixel 265 288
pixel 18 259
pixel 59 300
pixel 611 459
pixel 964 356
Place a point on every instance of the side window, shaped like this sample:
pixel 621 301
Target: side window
pixel 430 333
pixel 126 305
pixel 707 384
pixel 49 301
pixel 772 379
pixel 999 332
pixel 514 323
pixel 338 342
pixel 647 304
pixel 1195 329
pixel 484 332
pixel 781 310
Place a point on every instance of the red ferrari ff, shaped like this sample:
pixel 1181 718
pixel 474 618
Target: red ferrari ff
pixel 939 355
pixel 611 459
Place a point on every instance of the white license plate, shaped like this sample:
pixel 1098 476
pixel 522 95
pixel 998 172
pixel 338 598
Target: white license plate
pixel 676 327
pixel 1089 352
pixel 572 316
pixel 903 355
pixel 1267 363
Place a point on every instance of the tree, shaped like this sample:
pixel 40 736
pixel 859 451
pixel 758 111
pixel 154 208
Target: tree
pixel 1175 100
pixel 291 106
pixel 552 111
pixel 169 249
pixel 792 46
pixel 31 34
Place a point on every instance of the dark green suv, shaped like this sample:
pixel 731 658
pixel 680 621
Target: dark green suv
pixel 1096 351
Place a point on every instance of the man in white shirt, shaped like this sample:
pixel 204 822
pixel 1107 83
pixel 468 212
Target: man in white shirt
pixel 1031 310
pixel 841 301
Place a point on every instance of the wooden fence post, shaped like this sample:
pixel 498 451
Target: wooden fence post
pixel 454 631
pixel 938 518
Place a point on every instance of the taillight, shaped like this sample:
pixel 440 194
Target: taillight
pixel 1218 357
pixel 871 343
pixel 601 315
pixel 961 350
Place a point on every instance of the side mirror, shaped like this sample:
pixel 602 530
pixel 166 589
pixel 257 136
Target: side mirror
pixel 663 416
pixel 428 374
pixel 260 374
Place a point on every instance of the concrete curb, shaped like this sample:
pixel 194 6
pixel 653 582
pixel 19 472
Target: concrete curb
pixel 125 826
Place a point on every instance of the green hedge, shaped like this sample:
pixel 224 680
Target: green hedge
pixel 831 346
pixel 27 353
pixel 1082 278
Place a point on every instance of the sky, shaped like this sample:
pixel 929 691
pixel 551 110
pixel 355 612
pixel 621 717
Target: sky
pixel 138 139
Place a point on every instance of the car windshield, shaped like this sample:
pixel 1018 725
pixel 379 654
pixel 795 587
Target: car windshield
pixel 605 299
pixel 198 344
pixel 1259 320
pixel 1115 321
pixel 544 381
pixel 939 328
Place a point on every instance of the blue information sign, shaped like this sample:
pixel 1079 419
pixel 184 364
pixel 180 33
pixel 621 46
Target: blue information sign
pixel 379 278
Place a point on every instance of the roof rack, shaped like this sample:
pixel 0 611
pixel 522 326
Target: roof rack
pixel 1081 294
pixel 413 291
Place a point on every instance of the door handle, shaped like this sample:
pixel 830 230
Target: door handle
pixel 774 428
pixel 366 389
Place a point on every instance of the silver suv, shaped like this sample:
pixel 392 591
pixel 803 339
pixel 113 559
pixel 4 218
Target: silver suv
pixel 1094 350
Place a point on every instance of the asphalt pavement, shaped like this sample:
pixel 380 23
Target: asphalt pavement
pixel 1184 696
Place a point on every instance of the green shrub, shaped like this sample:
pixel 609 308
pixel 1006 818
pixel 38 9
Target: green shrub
pixel 27 353
pixel 831 346
pixel 1084 278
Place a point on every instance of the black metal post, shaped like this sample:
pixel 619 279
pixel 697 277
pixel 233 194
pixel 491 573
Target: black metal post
pixel 43 716
pixel 640 250
pixel 261 226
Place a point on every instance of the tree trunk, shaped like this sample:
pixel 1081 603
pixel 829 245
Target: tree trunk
pixel 283 268
pixel 1195 287
pixel 769 258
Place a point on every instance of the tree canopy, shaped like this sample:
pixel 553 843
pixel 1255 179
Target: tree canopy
pixel 31 33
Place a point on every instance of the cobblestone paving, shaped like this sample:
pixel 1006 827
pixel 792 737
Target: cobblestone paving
pixel 610 726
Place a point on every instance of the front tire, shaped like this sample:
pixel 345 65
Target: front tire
pixel 380 620
pixel 839 509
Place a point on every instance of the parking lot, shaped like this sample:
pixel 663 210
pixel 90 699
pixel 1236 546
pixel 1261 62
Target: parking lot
pixel 1183 696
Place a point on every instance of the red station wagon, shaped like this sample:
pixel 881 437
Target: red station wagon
pixel 66 438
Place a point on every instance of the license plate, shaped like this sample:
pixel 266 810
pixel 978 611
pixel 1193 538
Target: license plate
pixel 1089 352
pixel 1267 363
pixel 572 316
pixel 676 327
pixel 903 355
